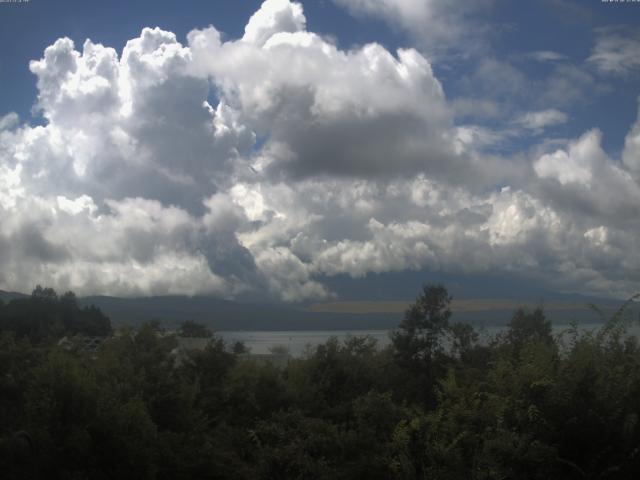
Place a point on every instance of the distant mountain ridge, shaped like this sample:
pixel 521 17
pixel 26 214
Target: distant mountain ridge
pixel 225 315
pixel 8 296
pixel 222 314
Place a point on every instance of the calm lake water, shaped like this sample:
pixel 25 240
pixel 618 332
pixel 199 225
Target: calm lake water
pixel 296 341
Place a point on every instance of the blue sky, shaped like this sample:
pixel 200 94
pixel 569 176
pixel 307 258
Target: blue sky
pixel 516 29
pixel 30 27
pixel 341 139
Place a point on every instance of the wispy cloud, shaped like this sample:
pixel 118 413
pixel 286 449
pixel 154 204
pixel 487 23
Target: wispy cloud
pixel 542 119
pixel 454 28
pixel 547 56
pixel 616 53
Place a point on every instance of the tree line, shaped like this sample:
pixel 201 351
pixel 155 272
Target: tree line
pixel 436 403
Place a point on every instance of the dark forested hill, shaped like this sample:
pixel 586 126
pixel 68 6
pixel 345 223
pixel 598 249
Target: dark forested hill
pixel 229 315
pixel 221 314
pixel 8 296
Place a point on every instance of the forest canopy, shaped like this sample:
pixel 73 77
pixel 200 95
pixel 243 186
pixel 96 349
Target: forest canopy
pixel 435 403
pixel 45 315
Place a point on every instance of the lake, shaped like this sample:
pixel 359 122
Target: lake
pixel 296 341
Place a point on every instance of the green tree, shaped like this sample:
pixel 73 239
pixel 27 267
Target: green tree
pixel 528 326
pixel 419 341
pixel 190 328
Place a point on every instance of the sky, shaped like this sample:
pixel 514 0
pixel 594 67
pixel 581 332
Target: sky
pixel 299 151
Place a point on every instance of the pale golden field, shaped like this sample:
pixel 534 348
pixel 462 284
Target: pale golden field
pixel 472 305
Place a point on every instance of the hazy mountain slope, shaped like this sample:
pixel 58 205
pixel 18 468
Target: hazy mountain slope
pixel 228 315
pixel 8 296
pixel 341 315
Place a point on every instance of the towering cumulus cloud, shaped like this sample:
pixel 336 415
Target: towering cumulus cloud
pixel 268 162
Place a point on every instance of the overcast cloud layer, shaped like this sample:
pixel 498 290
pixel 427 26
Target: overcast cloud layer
pixel 262 163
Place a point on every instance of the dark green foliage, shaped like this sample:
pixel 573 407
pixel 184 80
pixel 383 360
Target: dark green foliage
pixel 528 326
pixel 420 342
pixel 46 317
pixel 435 404
pixel 420 335
pixel 189 328
pixel 239 347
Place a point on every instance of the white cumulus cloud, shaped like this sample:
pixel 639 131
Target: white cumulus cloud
pixel 263 164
